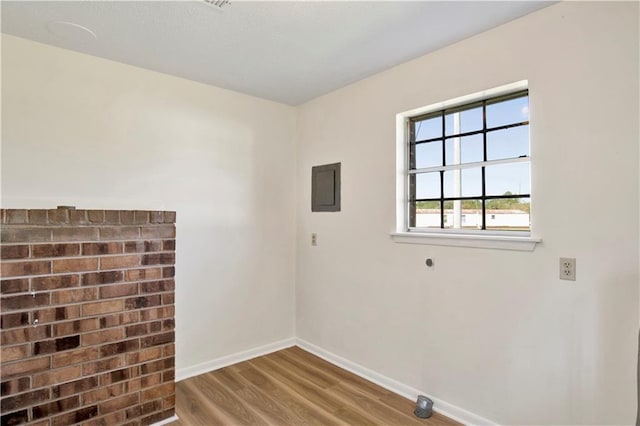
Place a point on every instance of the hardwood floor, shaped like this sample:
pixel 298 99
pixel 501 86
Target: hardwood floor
pixel 291 387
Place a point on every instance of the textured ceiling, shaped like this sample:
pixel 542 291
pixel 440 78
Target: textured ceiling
pixel 288 52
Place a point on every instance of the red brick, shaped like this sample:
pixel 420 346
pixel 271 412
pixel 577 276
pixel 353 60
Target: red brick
pixel 55 250
pixel 143 329
pixel 75 234
pixel 119 233
pixel 101 248
pixel 24 400
pixel 16 217
pixel 156 217
pixel 55 282
pixel 38 217
pixel 143 274
pixel 127 217
pixel 144 355
pixel 169 350
pixel 76 326
pixel 119 319
pixel 169 245
pixel 157 417
pixel 168 272
pixel 15 386
pixel 75 357
pixel 95 216
pixel 18 269
pixel 119 347
pixel 25 301
pixel 24 235
pixel 168 299
pixel 142 246
pixel 169 401
pixel 169 217
pixel 77 416
pixel 26 334
pixel 157 286
pixel 75 265
pixel 78 217
pixel 117 418
pixel 112 217
pixel 158 231
pixel 77 386
pixel 60 375
pixel 15 418
pixel 157 392
pixel 140 217
pixel 119 262
pixel 58 216
pixel 156 366
pixel 14 252
pixel 119 375
pixel 155 313
pixel 97 308
pixel 118 403
pixel 169 375
pixel 118 290
pixel 59 313
pixel 28 366
pixel 150 380
pixel 103 393
pixel 103 336
pixel 142 302
pixel 56 345
pixel 102 365
pixel 157 339
pixel 12 353
pixel 99 278
pixel 18 285
pixel 64 297
pixel 17 319
pixel 59 406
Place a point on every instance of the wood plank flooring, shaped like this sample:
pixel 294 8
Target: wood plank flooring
pixel 291 387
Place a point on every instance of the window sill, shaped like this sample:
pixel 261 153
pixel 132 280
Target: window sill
pixel 497 242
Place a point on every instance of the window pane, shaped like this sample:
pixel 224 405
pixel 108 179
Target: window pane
pixel 428 154
pixel 506 179
pixel 469 121
pixel 508 112
pixel 508 143
pixel 470 183
pixel 463 214
pixel 508 214
pixel 428 185
pixel 428 129
pixel 470 149
pixel 428 214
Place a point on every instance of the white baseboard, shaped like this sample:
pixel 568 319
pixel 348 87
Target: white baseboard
pixel 171 419
pixel 452 411
pixel 214 364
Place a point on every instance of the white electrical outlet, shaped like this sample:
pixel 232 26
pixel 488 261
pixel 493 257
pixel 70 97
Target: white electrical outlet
pixel 568 268
pixel 314 239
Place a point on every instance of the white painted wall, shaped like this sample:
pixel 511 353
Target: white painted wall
pixel 83 131
pixel 494 332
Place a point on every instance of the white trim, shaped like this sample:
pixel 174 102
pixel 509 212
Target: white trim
pixel 498 242
pixel 470 165
pixel 447 409
pixel 166 421
pixel 215 364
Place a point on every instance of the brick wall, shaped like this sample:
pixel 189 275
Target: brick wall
pixel 87 316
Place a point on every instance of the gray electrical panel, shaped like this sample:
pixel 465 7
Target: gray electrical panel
pixel 325 188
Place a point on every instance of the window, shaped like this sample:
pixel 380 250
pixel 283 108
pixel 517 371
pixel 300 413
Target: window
pixel 465 166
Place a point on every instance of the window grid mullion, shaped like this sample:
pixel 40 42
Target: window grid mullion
pixel 483 170
pixel 444 160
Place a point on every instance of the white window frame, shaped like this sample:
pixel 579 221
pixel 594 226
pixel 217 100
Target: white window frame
pixel 505 240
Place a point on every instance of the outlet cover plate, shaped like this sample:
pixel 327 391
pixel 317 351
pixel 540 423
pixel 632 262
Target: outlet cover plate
pixel 568 268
